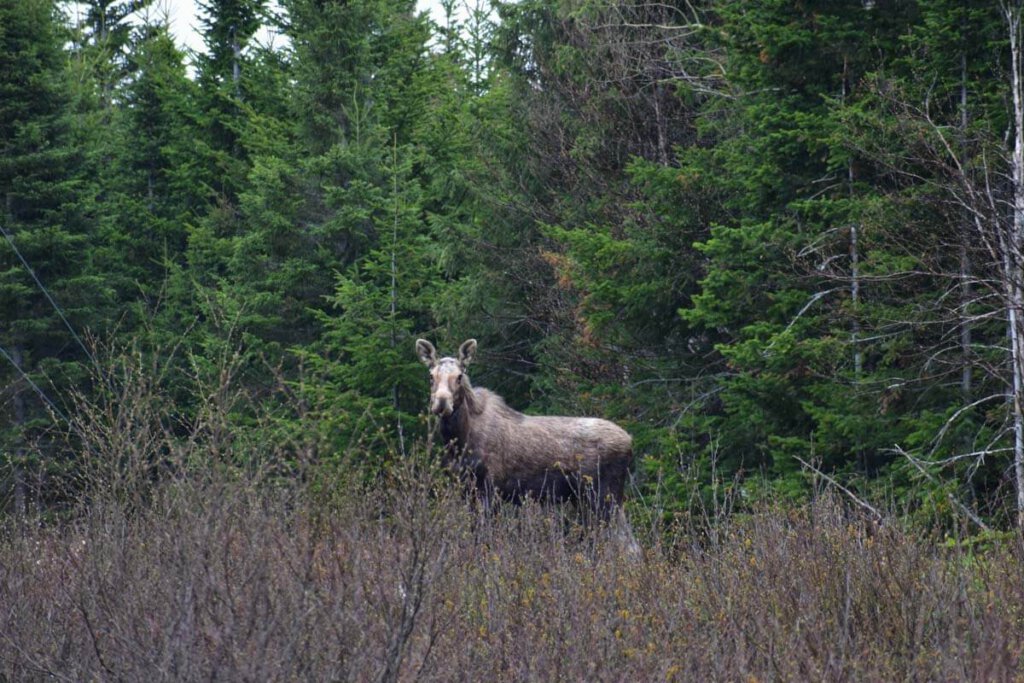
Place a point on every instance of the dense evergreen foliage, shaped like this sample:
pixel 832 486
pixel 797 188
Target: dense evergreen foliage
pixel 774 240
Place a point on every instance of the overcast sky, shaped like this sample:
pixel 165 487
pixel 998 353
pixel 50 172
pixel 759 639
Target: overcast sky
pixel 183 19
pixel 183 22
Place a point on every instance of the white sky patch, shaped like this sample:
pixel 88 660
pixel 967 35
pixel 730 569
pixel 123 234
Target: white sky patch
pixel 183 20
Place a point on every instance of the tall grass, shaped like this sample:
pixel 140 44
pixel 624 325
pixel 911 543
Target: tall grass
pixel 180 568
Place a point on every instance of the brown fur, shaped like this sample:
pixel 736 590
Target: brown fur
pixel 511 455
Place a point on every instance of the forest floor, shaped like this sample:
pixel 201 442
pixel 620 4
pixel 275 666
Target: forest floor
pixel 217 577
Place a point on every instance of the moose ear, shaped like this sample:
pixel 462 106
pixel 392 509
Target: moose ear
pixel 466 352
pixel 426 351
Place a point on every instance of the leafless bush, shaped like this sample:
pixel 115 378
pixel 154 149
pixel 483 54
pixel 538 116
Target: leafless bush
pixel 130 428
pixel 229 580
pixel 223 579
pixel 219 571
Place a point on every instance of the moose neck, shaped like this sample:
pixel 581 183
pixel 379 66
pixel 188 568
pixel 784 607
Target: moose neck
pixel 452 433
pixel 455 427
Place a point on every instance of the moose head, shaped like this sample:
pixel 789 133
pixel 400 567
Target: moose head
pixel 447 383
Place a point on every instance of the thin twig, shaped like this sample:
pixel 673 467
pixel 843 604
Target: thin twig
pixel 854 497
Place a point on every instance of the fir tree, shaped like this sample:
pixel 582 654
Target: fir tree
pixel 43 220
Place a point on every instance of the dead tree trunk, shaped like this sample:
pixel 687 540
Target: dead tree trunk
pixel 395 397
pixel 966 292
pixel 1012 251
pixel 20 496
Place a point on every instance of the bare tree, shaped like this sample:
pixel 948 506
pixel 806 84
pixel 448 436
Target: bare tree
pixel 1011 243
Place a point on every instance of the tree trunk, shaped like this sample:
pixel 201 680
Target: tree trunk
pixel 236 63
pixel 854 252
pixel 858 356
pixel 662 125
pixel 1012 248
pixel 966 292
pixel 18 472
pixel 17 404
pixel 395 397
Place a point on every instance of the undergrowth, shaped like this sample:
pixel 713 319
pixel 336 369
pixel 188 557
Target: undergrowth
pixel 192 553
pixel 220 578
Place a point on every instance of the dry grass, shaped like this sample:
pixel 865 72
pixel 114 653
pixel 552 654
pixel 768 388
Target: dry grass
pixel 218 578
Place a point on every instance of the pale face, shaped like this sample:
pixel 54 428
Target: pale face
pixel 445 387
pixel 446 375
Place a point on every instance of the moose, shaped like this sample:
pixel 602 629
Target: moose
pixel 504 453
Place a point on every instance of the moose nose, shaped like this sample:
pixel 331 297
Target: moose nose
pixel 441 407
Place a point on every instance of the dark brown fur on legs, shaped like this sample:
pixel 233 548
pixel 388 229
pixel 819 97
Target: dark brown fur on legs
pixel 505 453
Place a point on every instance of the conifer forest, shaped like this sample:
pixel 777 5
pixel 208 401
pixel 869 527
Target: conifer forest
pixel 779 242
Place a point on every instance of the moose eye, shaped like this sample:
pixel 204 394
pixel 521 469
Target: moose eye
pixel 458 380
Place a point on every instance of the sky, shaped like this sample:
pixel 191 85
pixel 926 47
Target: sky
pixel 183 21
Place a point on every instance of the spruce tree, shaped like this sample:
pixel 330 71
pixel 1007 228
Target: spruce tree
pixel 144 184
pixel 783 296
pixel 320 166
pixel 43 220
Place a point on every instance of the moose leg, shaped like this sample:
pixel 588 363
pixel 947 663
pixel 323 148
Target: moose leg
pixel 624 532
pixel 612 493
pixel 596 496
pixel 483 505
pixel 610 490
pixel 487 493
